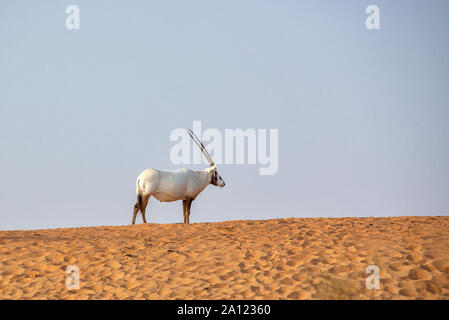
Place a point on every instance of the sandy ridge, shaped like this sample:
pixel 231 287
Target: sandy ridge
pixel 270 259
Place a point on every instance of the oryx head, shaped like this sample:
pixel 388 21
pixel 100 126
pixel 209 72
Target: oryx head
pixel 215 179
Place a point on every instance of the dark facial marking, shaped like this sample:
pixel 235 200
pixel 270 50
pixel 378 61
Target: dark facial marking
pixel 214 179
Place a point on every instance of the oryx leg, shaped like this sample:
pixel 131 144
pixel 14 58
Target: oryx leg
pixel 188 205
pixel 184 210
pixel 144 207
pixel 136 208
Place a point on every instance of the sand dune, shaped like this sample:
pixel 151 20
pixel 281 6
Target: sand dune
pixel 271 259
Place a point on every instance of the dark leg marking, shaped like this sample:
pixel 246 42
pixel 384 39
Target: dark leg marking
pixel 189 204
pixel 144 208
pixel 184 210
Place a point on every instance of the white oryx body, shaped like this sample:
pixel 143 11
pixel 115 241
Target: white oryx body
pixel 166 186
pixel 183 184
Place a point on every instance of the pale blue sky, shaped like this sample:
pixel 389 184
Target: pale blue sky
pixel 362 115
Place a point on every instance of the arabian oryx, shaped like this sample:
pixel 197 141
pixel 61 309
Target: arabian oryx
pixel 182 184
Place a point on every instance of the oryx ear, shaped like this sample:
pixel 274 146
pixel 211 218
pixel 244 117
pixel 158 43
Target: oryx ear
pixel 212 168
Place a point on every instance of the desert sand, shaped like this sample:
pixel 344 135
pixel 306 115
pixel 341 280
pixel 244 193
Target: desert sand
pixel 272 259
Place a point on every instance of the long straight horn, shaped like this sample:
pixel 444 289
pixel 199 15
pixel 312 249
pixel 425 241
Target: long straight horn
pixel 201 146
